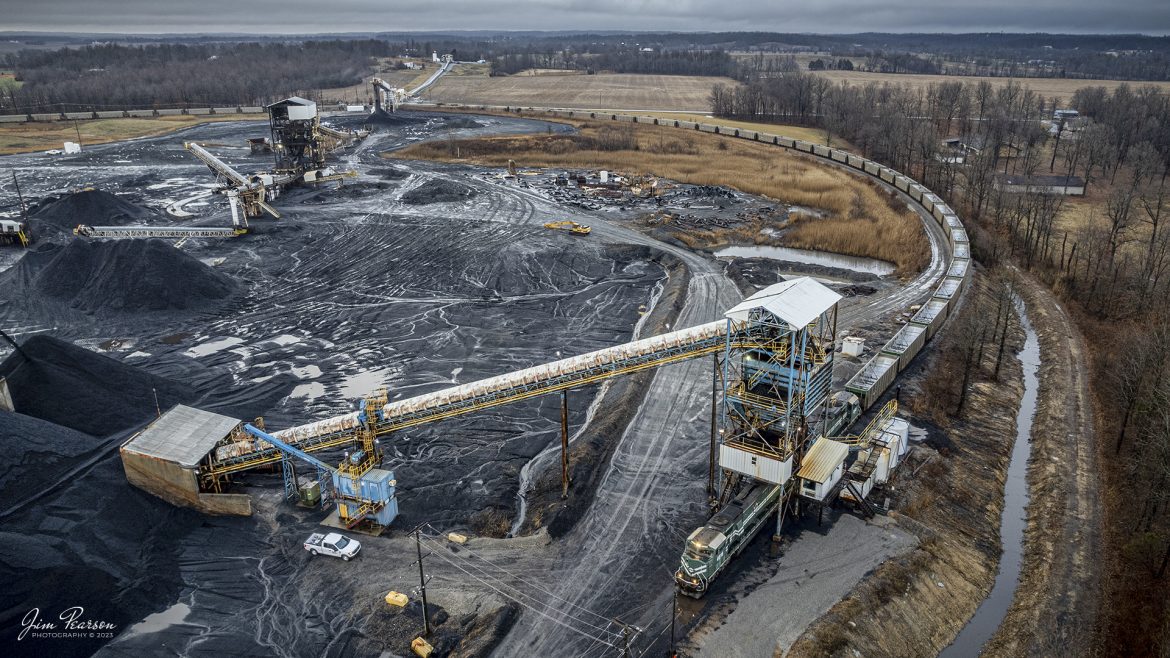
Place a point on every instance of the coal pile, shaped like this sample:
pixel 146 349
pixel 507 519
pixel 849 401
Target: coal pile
pixel 82 390
pixel 350 191
pixel 384 118
pixel 858 290
pixel 35 450
pixel 61 214
pixel 462 122
pixel 438 190
pixel 390 173
pixel 122 275
pixel 95 542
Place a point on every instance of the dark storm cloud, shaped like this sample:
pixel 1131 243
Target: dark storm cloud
pixel 301 16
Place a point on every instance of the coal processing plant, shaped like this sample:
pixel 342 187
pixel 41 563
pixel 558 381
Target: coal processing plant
pixel 520 418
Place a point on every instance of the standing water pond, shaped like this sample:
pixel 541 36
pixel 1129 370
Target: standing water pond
pixel 810 257
pixel 1015 503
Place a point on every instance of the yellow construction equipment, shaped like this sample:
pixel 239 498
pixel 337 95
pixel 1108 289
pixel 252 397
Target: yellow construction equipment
pixel 570 226
pixel 421 647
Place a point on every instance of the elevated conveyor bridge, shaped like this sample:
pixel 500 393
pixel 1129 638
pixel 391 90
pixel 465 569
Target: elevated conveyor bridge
pixel 157 231
pixel 702 340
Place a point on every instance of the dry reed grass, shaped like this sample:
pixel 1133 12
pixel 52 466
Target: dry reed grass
pixel 862 218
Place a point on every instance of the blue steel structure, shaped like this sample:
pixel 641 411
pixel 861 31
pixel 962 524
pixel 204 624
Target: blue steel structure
pixel 365 496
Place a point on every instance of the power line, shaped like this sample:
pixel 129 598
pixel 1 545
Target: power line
pixel 588 650
pixel 501 582
pixel 527 582
pixel 539 612
pixel 651 645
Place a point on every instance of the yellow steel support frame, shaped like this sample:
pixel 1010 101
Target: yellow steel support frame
pixel 215 472
pixel 887 412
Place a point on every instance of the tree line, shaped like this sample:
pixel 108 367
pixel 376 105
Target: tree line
pixel 1107 256
pixel 113 77
pixel 620 59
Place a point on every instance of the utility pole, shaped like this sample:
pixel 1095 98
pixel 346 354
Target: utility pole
pixel 628 634
pixel 20 198
pixel 1056 146
pixel 77 127
pixel 714 404
pixel 673 616
pixel 422 581
pixel 564 444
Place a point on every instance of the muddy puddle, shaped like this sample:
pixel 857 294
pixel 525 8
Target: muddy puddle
pixel 810 257
pixel 991 612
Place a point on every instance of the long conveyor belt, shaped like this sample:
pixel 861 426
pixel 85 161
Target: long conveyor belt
pixel 511 387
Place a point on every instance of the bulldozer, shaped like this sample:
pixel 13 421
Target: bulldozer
pixel 570 226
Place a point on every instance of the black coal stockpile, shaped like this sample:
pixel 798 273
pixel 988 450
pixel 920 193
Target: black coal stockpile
pixel 71 386
pixel 61 214
pixel 390 173
pixel 438 190
pixel 120 275
pixel 34 452
pixel 461 122
pixel 384 118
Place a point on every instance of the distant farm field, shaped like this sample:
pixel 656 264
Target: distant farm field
pixel 1046 87
pixel 618 91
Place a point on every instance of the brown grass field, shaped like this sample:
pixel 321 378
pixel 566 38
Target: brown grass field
pixel 42 136
pixel 619 91
pixel 863 219
pixel 1046 87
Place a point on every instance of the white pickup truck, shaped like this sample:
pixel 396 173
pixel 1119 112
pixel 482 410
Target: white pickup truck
pixel 332 544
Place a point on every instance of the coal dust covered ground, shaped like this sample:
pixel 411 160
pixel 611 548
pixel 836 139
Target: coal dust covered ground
pixel 351 290
pixel 413 276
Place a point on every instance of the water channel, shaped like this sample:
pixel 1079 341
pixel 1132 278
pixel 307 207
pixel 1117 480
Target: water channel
pixel 991 612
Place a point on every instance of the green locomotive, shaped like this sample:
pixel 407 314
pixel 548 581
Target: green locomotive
pixel 710 548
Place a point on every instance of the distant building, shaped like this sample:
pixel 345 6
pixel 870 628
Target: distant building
pixel 957 149
pixel 1067 185
pixel 1065 114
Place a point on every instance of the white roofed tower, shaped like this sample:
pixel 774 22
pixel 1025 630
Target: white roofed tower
pixel 777 376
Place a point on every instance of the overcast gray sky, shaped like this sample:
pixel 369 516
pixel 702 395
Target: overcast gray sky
pixel 825 16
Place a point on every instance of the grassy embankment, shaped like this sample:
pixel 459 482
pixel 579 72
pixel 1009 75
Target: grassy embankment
pixel 45 135
pixel 950 493
pixel 862 219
